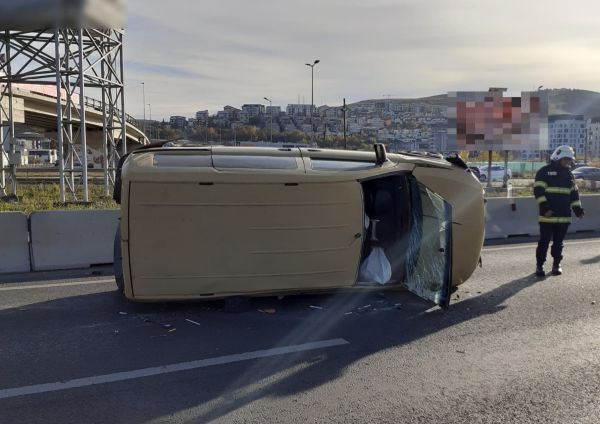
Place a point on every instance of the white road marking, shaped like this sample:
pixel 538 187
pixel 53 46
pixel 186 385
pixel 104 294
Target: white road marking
pixel 530 245
pixel 43 286
pixel 166 369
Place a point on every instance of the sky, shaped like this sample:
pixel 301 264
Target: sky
pixel 196 54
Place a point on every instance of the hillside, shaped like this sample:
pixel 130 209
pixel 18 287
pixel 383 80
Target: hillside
pixel 577 102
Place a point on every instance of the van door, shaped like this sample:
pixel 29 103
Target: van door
pixel 429 256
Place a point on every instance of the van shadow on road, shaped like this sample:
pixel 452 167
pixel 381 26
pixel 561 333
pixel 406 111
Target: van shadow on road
pixel 228 388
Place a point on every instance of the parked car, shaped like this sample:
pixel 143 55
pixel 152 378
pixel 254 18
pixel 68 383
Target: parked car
pixel 475 171
pixel 497 173
pixel 213 222
pixel 587 173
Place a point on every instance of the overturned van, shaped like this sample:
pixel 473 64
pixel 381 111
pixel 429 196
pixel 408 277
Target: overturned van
pixel 211 222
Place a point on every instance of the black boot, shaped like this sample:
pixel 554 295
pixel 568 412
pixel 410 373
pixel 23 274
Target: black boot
pixel 539 270
pixel 556 269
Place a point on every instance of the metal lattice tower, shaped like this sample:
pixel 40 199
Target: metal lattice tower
pixel 78 56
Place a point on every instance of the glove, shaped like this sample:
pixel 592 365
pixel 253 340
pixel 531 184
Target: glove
pixel 579 212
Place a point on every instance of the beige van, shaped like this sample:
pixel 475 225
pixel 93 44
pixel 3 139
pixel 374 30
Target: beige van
pixel 212 222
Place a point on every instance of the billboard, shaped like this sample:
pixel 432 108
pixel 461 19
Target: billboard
pixel 486 120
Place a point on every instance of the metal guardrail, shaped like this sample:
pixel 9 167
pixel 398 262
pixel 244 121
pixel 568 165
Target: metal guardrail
pixel 97 105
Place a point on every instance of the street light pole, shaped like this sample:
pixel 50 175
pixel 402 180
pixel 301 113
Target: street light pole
pixel 312 94
pixel 144 106
pixel 344 111
pixel 150 107
pixel 271 116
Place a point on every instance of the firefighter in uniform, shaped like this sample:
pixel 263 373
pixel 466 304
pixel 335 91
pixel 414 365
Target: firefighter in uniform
pixel 557 194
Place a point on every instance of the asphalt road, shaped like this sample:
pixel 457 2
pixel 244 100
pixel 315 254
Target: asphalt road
pixel 511 349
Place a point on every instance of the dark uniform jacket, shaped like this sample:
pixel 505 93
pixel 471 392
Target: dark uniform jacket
pixel 555 190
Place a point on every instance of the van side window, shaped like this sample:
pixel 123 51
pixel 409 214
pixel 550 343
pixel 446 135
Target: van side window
pixel 339 165
pixel 171 160
pixel 256 162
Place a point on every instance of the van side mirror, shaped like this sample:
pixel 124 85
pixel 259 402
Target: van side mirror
pixel 380 153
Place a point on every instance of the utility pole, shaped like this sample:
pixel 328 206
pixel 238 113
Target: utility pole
pixel 150 107
pixel 144 106
pixel 344 115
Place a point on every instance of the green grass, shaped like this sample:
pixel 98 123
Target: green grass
pixel 45 197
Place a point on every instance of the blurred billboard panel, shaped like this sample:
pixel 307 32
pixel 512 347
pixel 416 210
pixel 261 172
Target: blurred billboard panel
pixel 486 120
pixel 37 15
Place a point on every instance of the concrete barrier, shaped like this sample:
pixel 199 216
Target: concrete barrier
pixel 14 243
pixel 503 221
pixel 72 239
pixel 591 221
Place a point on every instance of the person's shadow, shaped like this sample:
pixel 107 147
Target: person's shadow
pixel 591 261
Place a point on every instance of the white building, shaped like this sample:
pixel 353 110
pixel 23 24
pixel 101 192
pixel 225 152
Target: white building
pixel 202 116
pixel 273 110
pixel 253 110
pixel 562 129
pixel 567 129
pixel 593 133
pixel 298 109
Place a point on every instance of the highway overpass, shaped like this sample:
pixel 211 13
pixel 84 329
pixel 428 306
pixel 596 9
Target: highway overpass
pixel 35 106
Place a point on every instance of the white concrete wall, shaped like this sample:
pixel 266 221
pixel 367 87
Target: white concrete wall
pixel 502 221
pixel 72 239
pixel 14 243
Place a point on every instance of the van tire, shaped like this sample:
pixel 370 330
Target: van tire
pixel 118 260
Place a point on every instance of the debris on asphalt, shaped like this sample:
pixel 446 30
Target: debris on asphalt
pixel 171 330
pixel 193 322
pixel 349 313
pixel 460 351
pixel 166 325
pixel 123 313
pixel 593 302
pixel 116 332
pixel 269 311
pixel 315 307
pixel 364 309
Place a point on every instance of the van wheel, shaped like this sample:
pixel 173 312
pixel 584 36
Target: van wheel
pixel 118 261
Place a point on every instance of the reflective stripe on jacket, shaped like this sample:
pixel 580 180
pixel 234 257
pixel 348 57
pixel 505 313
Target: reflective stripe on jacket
pixel 555 190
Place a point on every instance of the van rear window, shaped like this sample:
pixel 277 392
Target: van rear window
pixel 256 162
pixel 339 165
pixel 171 160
